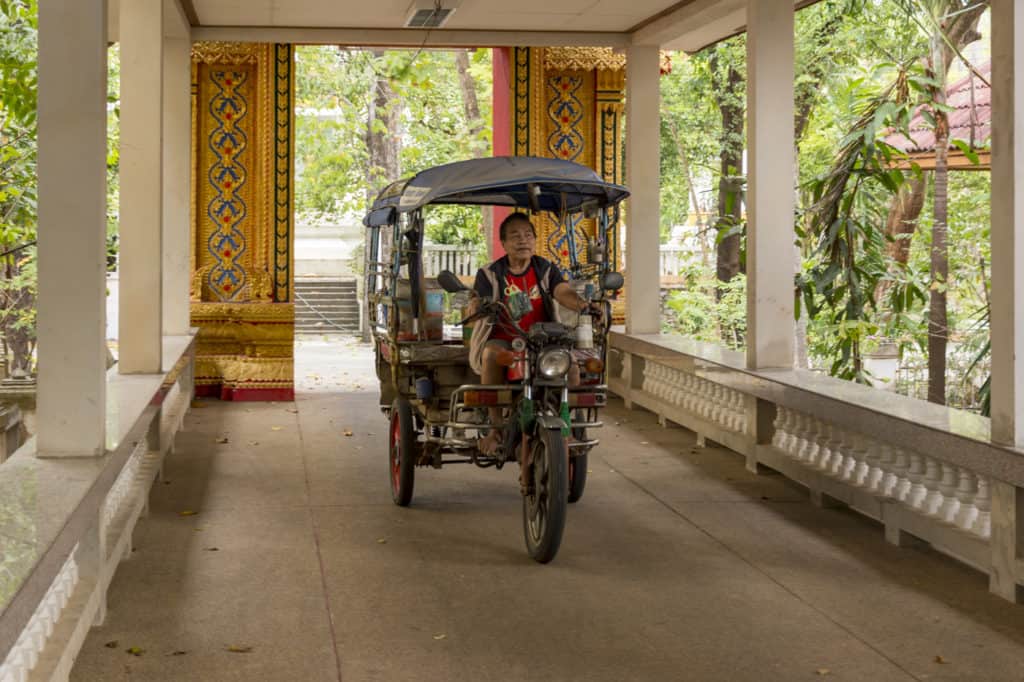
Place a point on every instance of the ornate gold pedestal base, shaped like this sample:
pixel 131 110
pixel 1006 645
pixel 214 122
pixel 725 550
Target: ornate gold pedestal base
pixel 245 350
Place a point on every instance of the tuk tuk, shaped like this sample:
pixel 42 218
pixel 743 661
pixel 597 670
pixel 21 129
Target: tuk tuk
pixel 436 404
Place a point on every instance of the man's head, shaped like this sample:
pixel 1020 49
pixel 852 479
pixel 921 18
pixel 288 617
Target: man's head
pixel 518 237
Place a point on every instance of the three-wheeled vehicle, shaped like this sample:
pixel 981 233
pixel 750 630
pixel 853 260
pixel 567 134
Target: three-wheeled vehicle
pixel 436 404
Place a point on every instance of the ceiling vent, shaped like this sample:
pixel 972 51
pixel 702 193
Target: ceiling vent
pixel 427 14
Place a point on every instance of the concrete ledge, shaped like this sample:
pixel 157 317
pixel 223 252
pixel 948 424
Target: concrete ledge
pixel 53 506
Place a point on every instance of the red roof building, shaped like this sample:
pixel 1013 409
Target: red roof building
pixel 969 121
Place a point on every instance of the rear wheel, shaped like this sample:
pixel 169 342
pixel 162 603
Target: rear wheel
pixel 544 510
pixel 401 452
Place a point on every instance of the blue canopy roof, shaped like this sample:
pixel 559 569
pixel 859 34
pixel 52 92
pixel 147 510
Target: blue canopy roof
pixel 499 181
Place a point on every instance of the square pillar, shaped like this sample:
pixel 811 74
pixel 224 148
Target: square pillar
pixel 72 167
pixel 177 124
pixel 1007 313
pixel 141 260
pixel 643 177
pixel 770 182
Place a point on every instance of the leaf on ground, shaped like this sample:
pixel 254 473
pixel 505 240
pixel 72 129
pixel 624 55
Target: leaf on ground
pixel 293 411
pixel 643 442
pixel 440 636
pixel 348 432
pixel 275 428
pixel 382 541
pixel 178 653
pixel 940 660
pixel 187 512
pixel 254 443
pixel 211 549
pixel 222 440
pixel 823 671
pixel 111 644
pixel 239 649
pixel 135 651
pixel 590 471
pixel 196 404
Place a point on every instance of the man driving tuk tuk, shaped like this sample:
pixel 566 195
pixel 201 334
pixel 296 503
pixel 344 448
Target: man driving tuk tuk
pixel 527 283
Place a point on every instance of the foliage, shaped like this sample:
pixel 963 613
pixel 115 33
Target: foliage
pixel 18 184
pixel 334 98
pixel 845 222
pixel 695 311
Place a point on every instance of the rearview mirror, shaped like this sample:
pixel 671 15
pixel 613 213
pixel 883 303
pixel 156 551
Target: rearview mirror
pixel 612 281
pixel 449 282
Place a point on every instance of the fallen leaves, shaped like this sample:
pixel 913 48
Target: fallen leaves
pixel 239 649
pixel 823 671
pixel 440 636
pixel 382 541
pixel 211 549
pixel 941 661
pixel 178 653
pixel 197 404
pixel 275 428
pixel 187 512
pixel 347 432
pixel 222 440
pixel 111 644
pixel 134 651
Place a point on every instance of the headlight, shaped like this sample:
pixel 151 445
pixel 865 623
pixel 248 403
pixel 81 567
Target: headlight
pixel 554 362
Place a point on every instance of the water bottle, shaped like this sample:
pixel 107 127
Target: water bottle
pixel 585 332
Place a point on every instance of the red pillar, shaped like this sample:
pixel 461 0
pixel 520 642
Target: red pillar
pixel 501 130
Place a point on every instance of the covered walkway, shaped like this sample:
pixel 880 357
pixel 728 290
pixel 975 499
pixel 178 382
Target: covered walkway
pixel 677 564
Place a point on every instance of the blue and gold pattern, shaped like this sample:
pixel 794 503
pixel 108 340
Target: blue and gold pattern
pixel 227 210
pixel 566 113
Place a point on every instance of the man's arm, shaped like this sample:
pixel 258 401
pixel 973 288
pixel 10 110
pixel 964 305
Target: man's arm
pixel 565 295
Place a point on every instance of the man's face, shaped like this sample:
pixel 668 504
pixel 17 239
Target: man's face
pixel 519 241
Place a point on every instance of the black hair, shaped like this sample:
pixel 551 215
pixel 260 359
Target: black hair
pixel 511 218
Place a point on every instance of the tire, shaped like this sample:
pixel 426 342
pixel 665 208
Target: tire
pixel 545 510
pixel 402 452
pixel 578 465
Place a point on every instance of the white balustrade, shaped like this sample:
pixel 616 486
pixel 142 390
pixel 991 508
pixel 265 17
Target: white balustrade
pixel 982 525
pixel 911 491
pixel 965 493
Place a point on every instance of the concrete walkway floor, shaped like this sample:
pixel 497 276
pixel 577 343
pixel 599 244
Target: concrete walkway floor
pixel 677 564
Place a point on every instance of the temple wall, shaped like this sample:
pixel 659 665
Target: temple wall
pixel 241 235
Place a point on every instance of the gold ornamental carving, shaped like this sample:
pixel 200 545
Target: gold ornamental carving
pixel 583 59
pixel 227 53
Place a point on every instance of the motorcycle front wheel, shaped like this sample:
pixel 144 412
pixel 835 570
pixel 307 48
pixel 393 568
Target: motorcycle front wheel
pixel 544 509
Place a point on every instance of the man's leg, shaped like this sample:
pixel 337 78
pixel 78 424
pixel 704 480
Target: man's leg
pixel 493 373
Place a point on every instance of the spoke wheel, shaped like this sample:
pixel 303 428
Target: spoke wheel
pixel 401 452
pixel 544 510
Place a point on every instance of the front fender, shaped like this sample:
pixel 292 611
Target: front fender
pixel 550 421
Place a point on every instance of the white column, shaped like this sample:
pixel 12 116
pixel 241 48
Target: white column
pixel 643 168
pixel 141 260
pixel 1007 318
pixel 71 399
pixel 177 178
pixel 770 178
pixel 1007 313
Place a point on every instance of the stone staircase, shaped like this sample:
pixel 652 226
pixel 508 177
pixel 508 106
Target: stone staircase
pixel 326 306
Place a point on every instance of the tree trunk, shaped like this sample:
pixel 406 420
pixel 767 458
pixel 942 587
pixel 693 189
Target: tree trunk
pixel 729 89
pixel 938 331
pixel 383 135
pixel 476 126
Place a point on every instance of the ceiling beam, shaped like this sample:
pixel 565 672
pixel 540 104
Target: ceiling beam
pixel 692 24
pixel 409 37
